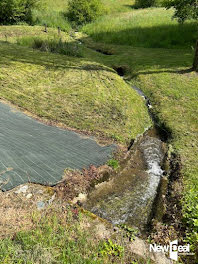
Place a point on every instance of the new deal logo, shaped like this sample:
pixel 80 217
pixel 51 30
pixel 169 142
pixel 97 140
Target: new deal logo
pixel 173 248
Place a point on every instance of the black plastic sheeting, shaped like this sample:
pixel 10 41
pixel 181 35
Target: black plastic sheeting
pixel 31 151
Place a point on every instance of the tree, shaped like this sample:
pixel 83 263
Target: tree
pixel 14 11
pixel 186 9
pixel 84 11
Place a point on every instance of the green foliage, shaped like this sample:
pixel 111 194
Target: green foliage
pixel 130 232
pixel 84 11
pixel 52 45
pixel 108 248
pixel 145 3
pixel 113 163
pixel 184 9
pixel 15 11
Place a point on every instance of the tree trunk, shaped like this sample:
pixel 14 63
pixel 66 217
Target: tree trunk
pixel 195 63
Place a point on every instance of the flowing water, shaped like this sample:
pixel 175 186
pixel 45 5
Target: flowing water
pixel 128 196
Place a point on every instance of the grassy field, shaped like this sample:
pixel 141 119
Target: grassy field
pixel 53 13
pixel 149 28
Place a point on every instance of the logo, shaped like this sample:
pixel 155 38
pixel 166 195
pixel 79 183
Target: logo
pixel 173 249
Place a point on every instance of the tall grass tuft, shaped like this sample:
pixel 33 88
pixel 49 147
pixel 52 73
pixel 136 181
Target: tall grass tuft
pixel 52 45
pixel 52 19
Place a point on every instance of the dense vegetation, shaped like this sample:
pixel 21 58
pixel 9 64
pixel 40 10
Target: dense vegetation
pixel 15 11
pixel 84 11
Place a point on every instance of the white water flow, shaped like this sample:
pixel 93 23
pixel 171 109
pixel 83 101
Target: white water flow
pixel 128 197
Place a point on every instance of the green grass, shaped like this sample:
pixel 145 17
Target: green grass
pixel 52 19
pixel 80 94
pixel 149 28
pixel 52 13
pixel 174 97
pixel 117 6
pixel 15 33
pixel 69 239
pixel 56 45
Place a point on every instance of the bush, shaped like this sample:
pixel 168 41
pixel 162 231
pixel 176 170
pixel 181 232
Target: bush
pixel 84 11
pixel 144 3
pixel 14 11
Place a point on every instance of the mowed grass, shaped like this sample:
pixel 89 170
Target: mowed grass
pixel 150 28
pixel 80 94
pixel 15 33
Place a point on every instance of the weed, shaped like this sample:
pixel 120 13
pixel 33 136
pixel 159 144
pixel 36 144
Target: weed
pixel 113 163
pixel 108 248
pixel 130 232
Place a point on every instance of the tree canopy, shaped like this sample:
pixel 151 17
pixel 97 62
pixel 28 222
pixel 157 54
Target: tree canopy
pixel 14 11
pixel 184 9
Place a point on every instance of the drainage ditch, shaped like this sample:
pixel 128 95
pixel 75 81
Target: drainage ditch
pixel 133 196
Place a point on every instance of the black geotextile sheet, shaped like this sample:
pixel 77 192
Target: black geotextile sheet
pixel 31 151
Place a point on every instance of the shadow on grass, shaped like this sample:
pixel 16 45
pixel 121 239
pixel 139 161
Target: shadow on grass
pixel 131 6
pixel 163 36
pixel 13 52
pixel 165 48
pixel 188 70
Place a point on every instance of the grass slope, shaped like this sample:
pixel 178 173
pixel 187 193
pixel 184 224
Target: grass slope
pixel 80 94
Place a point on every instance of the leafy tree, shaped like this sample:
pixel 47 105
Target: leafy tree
pixel 84 11
pixel 186 9
pixel 14 11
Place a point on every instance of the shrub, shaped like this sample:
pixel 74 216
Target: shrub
pixel 144 3
pixel 14 11
pixel 84 11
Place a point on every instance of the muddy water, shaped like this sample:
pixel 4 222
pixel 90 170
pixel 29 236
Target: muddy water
pixel 128 196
